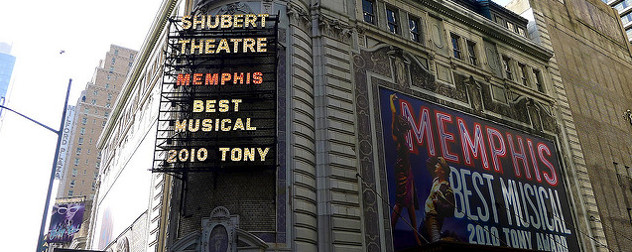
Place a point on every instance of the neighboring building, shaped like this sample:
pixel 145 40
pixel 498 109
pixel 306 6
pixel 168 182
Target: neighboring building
pixel 79 159
pixel 624 7
pixel 7 61
pixel 82 158
pixel 380 126
pixel 592 67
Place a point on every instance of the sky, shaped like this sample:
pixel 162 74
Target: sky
pixel 39 30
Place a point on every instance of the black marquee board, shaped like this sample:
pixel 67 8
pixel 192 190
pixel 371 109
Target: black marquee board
pixel 252 102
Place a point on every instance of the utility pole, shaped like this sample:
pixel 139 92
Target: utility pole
pixel 60 132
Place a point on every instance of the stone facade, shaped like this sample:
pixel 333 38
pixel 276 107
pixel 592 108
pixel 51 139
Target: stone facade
pixel 592 66
pixel 329 192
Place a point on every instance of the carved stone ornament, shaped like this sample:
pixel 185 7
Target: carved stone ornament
pixel 628 115
pixel 219 231
pixel 298 16
pixel 235 8
pixel 335 28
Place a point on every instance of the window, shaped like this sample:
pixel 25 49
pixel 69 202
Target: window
pixel 521 32
pixel 413 25
pixel 78 150
pixel 109 96
pixel 507 67
pixel 82 131
pixel 76 161
pixel 627 18
pixel 84 172
pixel 538 80
pixel 107 85
pixel 500 21
pixel 471 51
pixel 106 114
pixel 525 74
pixel 103 123
pixel 391 20
pixel 111 69
pixel 368 8
pixel 72 183
pixel 84 120
pixel 88 154
pixel 86 110
pixel 80 141
pixel 107 105
pixel 96 92
pixel 94 101
pixel 74 172
pixel 115 52
pixel 131 56
pixel 622 5
pixel 108 77
pixel 70 192
pixel 456 47
pixel 511 27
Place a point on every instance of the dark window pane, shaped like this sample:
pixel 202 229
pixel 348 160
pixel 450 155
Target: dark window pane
pixel 413 23
pixel 456 48
pixel 367 8
pixel 391 18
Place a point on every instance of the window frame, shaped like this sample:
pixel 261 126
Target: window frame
pixel 472 56
pixel 539 80
pixel 414 35
pixel 524 70
pixel 366 14
pixel 392 27
pixel 506 61
pixel 456 46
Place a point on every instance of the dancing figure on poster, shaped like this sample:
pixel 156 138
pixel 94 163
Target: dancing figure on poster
pixel 440 201
pixel 405 196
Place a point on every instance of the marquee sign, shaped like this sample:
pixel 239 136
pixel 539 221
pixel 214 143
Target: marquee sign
pixel 457 178
pixel 218 98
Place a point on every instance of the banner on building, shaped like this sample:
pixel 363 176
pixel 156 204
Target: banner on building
pixel 455 177
pixel 65 221
pixel 65 142
pixel 218 98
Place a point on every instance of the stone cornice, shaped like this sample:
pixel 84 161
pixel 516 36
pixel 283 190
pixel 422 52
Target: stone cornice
pixel 450 10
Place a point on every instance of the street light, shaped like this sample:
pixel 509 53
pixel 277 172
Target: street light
pixel 40 242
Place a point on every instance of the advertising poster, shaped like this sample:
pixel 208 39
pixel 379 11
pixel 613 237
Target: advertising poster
pixel 65 221
pixel 457 178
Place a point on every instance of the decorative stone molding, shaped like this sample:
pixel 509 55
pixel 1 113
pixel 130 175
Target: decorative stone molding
pixel 298 16
pixel 628 115
pixel 219 231
pixel 235 8
pixel 335 28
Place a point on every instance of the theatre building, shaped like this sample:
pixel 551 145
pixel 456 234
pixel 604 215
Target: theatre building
pixel 357 125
